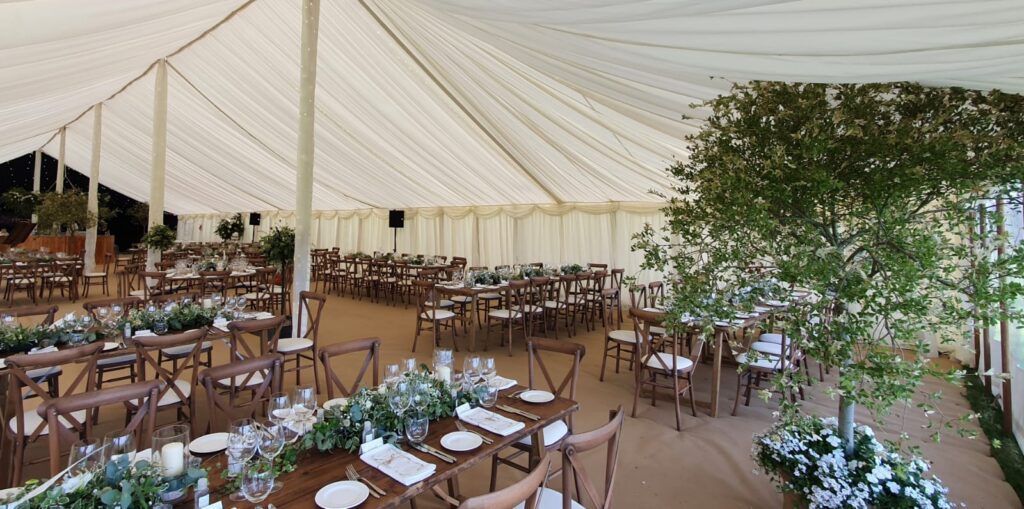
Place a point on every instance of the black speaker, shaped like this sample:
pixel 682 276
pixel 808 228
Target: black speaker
pixel 396 219
pixel 254 219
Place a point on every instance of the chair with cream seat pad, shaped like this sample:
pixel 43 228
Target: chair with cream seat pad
pixel 660 364
pixel 757 366
pixel 180 380
pixel 23 429
pixel 576 477
pixel 429 314
pixel 543 354
pixel 304 347
pixel 524 494
pixel 267 333
pixel 619 344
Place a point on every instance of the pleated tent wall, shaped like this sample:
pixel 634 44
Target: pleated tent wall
pixel 486 235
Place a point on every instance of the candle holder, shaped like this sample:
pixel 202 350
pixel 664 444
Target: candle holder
pixel 170 453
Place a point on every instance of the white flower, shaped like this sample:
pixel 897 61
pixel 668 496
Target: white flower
pixel 893 487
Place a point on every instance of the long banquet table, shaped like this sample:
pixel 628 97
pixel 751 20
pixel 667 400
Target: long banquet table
pixel 315 470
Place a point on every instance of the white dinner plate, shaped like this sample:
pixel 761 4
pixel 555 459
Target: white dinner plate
pixel 208 444
pixel 537 396
pixel 461 441
pixel 342 495
pixel 336 401
pixel 108 346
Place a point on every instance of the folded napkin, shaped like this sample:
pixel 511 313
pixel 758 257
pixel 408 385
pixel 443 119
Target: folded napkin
pixel 488 420
pixel 143 332
pixel 761 309
pixel 398 464
pixel 503 383
pixel 42 350
pixel 263 315
pixel 221 323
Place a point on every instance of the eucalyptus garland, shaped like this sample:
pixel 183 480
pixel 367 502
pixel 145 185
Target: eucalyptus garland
pixel 20 339
pixel 487 278
pixel 572 268
pixel 181 317
pixel 342 426
pixel 119 484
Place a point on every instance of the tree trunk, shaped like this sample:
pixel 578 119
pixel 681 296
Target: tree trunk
pixel 846 424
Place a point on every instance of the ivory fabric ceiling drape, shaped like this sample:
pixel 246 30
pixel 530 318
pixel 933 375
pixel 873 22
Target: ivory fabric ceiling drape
pixel 449 103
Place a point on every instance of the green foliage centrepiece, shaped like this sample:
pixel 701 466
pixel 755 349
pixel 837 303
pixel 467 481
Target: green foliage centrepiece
pixel 65 212
pixel 868 196
pixel 228 228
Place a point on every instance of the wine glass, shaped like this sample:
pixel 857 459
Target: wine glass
pixel 241 303
pixel 409 365
pixel 272 437
pixel 117 445
pixel 230 304
pixel 85 456
pixel 398 398
pixel 392 374
pixel 216 299
pixel 102 314
pixel 303 404
pixel 116 311
pixel 471 367
pixel 488 370
pixel 487 393
pixel 242 445
pixel 280 409
pixel 416 427
pixel 257 482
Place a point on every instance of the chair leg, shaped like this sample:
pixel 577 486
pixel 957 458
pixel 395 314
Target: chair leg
pixel 494 472
pixel 604 361
pixel 679 416
pixel 739 385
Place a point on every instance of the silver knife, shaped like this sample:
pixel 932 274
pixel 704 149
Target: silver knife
pixel 429 450
pixel 517 411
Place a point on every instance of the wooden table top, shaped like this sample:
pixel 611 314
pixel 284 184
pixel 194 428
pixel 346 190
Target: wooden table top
pixel 316 470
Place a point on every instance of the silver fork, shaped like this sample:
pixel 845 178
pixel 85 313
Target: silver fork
pixel 350 471
pixel 462 427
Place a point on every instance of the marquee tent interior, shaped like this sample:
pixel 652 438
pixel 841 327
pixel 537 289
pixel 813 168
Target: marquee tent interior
pixel 509 130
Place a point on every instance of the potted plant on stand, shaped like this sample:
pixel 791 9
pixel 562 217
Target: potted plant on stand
pixel 278 248
pixel 228 229
pixel 865 196
pixel 65 214
pixel 159 237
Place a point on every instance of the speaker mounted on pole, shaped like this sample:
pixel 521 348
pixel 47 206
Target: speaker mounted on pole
pixel 396 220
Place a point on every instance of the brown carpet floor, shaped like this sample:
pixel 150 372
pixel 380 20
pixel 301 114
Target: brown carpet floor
pixel 707 464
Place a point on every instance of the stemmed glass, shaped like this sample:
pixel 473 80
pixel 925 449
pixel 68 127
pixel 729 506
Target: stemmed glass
pixel 488 370
pixel 257 482
pixel 117 445
pixel 216 299
pixel 229 306
pixel 116 311
pixel 85 456
pixel 303 405
pixel 392 374
pixel 242 445
pixel 399 400
pixel 240 304
pixel 271 443
pixel 471 368
pixel 280 407
pixel 409 365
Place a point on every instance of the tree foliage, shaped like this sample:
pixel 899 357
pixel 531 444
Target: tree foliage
pixel 227 228
pixel 865 194
pixel 66 212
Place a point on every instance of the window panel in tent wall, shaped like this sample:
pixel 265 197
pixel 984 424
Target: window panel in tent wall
pixel 537 239
pixel 495 239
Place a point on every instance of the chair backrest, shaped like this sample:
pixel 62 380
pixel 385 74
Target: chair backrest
pixel 601 266
pixel 637 296
pixel 426 296
pixel 540 290
pixel 24 386
pixel 538 348
pixel 268 331
pixel 153 282
pixel 241 373
pixel 646 349
pixel 371 347
pixel 311 306
pixel 21 313
pixel 186 369
pixel 524 492
pixel 160 300
pixel 655 293
pixel 572 466
pixel 56 412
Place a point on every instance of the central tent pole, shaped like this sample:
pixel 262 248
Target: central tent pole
pixel 37 177
pixel 94 187
pixel 60 160
pixel 304 161
pixel 156 176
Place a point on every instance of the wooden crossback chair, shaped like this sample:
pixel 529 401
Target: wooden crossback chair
pixel 47 314
pixel 371 347
pixel 564 387
pixel 574 474
pixel 139 398
pixel 660 365
pixel 180 380
pixel 261 375
pixel 304 347
pixel 27 426
pixel 524 494
pixel 429 312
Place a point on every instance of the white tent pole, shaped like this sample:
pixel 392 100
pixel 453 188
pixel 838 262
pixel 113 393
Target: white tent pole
pixel 156 176
pixel 60 161
pixel 94 187
pixel 304 173
pixel 37 177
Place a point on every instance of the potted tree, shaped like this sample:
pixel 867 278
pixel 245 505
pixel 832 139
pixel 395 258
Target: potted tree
pixel 868 196
pixel 159 237
pixel 228 229
pixel 278 248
